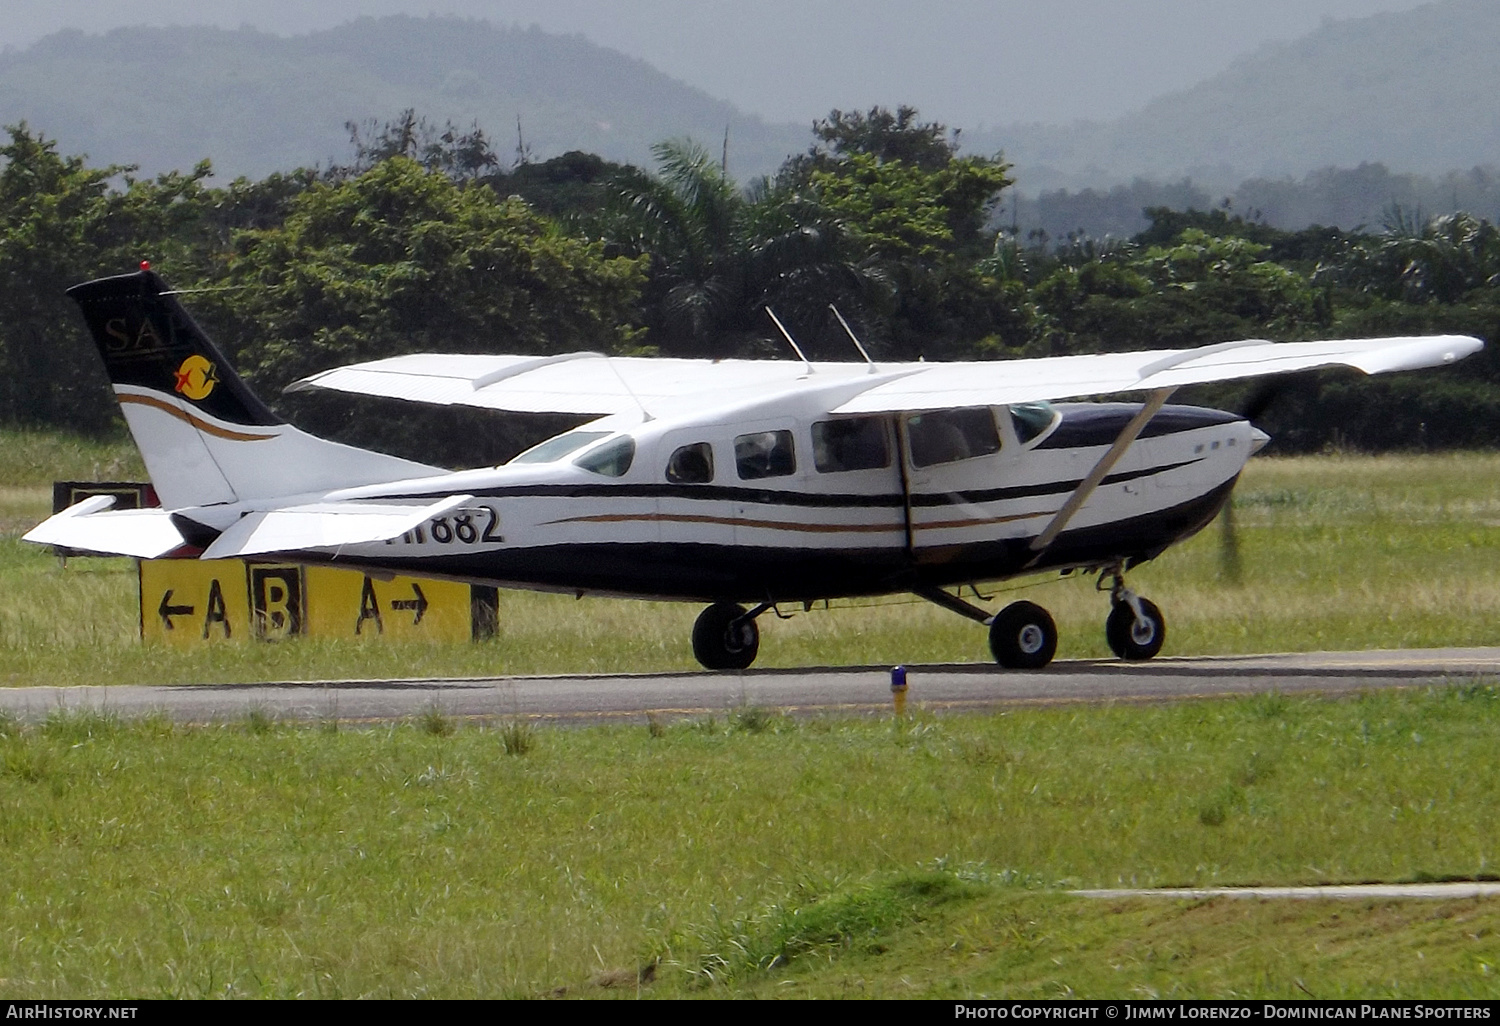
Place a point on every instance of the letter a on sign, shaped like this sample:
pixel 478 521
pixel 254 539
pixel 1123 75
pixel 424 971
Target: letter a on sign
pixel 369 608
pixel 216 614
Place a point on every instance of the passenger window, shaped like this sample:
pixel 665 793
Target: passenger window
pixel 946 436
pixel 764 454
pixel 854 444
pixel 612 459
pixel 692 464
pixel 1031 419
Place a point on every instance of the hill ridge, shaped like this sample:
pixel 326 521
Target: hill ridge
pixel 254 102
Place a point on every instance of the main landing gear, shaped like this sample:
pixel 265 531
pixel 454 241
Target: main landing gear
pixel 725 636
pixel 1023 635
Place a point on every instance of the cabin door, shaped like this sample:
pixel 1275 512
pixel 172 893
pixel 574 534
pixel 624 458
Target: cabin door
pixel 955 467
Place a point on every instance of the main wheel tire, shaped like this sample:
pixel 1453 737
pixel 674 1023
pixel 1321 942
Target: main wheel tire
pixel 1023 636
pixel 1134 639
pixel 722 644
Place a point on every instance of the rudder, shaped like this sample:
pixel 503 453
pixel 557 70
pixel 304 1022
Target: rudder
pixel 205 436
pixel 150 344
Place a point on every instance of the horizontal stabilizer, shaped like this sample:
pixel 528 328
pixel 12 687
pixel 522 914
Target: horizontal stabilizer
pixel 89 526
pixel 325 525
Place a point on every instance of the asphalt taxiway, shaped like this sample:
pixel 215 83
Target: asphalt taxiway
pixel 605 698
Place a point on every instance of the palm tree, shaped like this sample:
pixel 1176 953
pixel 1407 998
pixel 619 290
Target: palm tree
pixel 1440 262
pixel 720 255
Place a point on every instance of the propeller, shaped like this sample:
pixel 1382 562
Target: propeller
pixel 1231 566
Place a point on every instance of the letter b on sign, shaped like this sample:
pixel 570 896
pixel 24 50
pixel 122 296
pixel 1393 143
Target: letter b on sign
pixel 276 595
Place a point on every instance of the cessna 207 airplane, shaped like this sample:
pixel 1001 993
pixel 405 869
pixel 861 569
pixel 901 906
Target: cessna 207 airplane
pixel 724 482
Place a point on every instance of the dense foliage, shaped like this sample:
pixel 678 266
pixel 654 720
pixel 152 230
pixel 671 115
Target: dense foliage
pixel 428 241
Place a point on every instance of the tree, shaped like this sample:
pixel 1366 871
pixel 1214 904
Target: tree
pixel 885 136
pixel 400 259
pixel 719 256
pixel 1199 289
pixel 462 156
pixel 921 213
pixel 62 222
pixel 1443 261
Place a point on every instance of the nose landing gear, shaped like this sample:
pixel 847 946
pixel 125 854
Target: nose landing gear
pixel 1135 628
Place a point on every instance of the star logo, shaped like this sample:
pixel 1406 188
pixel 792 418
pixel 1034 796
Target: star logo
pixel 195 378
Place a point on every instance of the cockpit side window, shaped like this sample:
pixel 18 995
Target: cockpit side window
pixel 612 459
pixel 764 454
pixel 1031 419
pixel 691 464
pixel 946 436
pixel 855 443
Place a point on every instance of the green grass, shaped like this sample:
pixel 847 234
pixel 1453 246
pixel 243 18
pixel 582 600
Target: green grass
pixel 753 856
pixel 1339 552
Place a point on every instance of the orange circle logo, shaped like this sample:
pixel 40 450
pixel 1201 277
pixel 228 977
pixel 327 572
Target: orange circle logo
pixel 195 378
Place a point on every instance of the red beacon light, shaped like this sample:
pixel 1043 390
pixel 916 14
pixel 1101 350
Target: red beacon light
pixel 145 265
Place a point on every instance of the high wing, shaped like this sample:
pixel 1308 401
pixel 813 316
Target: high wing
pixel 942 386
pixel 580 383
pixel 589 383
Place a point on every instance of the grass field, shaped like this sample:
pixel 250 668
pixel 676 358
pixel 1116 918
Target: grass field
pixel 1336 553
pixel 754 855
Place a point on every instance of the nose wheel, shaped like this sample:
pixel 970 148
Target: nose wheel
pixel 1135 629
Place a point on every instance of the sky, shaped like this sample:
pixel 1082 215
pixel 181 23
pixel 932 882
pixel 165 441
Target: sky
pixel 969 63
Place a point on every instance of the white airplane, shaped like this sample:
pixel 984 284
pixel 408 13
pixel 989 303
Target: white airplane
pixel 725 482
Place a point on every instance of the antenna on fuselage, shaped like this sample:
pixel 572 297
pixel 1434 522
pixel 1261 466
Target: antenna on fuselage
pixel 791 341
pixel 645 413
pixel 853 337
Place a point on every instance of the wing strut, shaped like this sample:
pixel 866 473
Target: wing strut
pixel 1080 495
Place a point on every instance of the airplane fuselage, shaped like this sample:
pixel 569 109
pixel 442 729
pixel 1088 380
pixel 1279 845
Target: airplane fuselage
pixel 778 501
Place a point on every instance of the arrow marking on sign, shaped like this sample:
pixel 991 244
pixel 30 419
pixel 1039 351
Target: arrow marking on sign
pixel 417 605
pixel 166 610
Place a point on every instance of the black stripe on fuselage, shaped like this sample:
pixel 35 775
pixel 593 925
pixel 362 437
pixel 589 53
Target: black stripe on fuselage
pixel 744 573
pixel 1044 488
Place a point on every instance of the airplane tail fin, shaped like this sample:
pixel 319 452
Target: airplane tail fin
pixel 205 436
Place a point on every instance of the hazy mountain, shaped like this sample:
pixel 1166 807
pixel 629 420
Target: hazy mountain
pixel 166 98
pixel 1413 90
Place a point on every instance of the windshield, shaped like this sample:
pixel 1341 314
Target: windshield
pixel 612 459
pixel 554 449
pixel 1031 419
